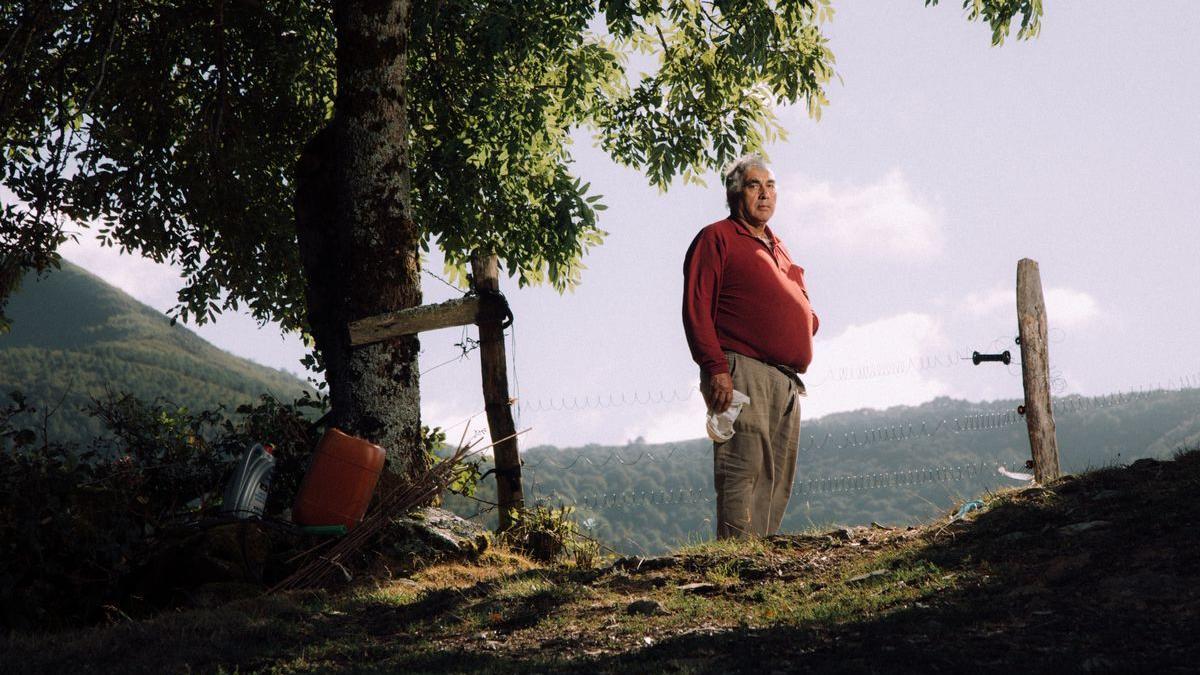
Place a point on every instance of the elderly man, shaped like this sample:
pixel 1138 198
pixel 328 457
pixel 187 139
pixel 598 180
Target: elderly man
pixel 750 327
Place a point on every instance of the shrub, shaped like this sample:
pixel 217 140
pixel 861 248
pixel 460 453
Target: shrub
pixel 77 523
pixel 547 533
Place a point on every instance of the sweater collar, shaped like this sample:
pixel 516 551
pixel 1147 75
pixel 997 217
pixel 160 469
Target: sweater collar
pixel 743 229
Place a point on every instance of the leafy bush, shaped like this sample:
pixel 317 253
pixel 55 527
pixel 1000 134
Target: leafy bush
pixel 77 523
pixel 546 533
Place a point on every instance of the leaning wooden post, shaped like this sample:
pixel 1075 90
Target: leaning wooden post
pixel 1035 372
pixel 485 271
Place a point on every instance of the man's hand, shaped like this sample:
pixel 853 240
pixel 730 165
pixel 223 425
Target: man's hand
pixel 720 393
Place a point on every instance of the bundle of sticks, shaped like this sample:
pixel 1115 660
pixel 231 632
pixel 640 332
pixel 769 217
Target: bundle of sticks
pixel 400 500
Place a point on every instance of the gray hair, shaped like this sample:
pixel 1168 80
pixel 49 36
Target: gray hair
pixel 735 173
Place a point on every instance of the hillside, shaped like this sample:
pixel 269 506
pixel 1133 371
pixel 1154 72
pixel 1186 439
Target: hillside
pixel 74 335
pixel 1093 573
pixel 854 468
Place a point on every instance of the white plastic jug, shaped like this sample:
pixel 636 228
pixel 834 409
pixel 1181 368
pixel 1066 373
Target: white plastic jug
pixel 246 492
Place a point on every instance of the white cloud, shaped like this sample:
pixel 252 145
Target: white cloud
pixel 662 416
pixel 884 219
pixel 1065 307
pixel 985 303
pixel 1069 308
pixel 658 415
pixel 152 283
pixel 575 426
pixel 889 345
pixel 462 421
pixel 668 422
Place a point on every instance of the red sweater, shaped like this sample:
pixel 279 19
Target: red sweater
pixel 740 297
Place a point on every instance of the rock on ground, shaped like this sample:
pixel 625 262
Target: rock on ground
pixel 429 535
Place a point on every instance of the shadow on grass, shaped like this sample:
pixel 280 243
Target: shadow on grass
pixel 1096 574
pixel 303 631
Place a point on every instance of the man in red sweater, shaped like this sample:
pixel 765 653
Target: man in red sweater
pixel 750 326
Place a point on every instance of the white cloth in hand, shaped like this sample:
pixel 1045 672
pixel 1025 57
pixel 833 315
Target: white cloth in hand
pixel 720 425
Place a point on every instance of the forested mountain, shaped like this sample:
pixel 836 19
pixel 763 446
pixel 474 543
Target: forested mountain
pixel 895 466
pixel 73 336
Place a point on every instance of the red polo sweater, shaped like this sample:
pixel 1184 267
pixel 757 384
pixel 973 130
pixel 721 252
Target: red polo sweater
pixel 740 297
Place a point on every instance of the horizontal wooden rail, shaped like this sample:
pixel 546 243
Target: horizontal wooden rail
pixel 457 312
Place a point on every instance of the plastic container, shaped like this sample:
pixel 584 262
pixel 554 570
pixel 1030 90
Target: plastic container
pixel 338 486
pixel 246 493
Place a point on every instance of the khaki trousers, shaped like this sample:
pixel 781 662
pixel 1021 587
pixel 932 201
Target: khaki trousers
pixel 753 471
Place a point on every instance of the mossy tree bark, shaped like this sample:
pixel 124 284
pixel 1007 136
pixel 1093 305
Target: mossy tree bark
pixel 358 240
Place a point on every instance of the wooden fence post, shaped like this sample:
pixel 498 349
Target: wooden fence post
pixel 1035 372
pixel 485 270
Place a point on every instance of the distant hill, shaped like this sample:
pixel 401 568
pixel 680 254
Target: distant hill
pixel 896 466
pixel 73 335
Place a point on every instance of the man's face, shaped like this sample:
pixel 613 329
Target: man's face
pixel 757 201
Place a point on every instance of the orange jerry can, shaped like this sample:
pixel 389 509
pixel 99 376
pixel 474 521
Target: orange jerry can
pixel 338 486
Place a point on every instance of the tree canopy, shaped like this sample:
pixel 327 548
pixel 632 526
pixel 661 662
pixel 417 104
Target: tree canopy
pixel 174 127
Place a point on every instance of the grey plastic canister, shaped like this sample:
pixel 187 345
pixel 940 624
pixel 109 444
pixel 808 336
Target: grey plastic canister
pixel 246 492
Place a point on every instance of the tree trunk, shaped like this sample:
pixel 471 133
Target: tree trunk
pixel 359 244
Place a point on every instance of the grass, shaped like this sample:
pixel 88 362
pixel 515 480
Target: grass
pixel 1018 585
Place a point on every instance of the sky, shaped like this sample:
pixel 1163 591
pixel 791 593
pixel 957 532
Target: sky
pixel 939 163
